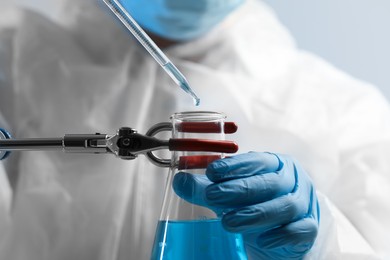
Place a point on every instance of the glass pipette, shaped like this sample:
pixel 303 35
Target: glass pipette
pixel 117 8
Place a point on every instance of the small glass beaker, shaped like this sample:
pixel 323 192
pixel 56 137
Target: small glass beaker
pixel 188 231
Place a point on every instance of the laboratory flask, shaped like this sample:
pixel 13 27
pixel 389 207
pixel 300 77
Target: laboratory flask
pixel 185 230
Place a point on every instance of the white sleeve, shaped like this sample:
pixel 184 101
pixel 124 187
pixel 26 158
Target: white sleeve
pixel 358 200
pixel 363 192
pixel 9 18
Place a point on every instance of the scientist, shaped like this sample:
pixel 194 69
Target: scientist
pixel 82 72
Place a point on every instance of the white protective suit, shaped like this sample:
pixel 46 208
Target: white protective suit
pixel 86 74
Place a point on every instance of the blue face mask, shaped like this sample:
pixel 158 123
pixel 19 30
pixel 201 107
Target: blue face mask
pixel 179 19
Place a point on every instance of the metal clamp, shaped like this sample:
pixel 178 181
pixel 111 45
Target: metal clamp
pixel 161 127
pixel 127 144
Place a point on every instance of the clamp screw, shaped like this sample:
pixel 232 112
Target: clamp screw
pixel 126 142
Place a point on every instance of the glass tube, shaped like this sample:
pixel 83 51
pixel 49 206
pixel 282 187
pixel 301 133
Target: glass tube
pixel 185 230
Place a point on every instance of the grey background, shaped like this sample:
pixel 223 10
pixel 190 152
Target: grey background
pixel 353 35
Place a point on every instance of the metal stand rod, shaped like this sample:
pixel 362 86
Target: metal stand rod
pixel 31 144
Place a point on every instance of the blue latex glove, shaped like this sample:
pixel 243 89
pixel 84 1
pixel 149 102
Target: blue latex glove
pixel 4 135
pixel 179 19
pixel 268 198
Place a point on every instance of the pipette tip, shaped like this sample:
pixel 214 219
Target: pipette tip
pixel 186 87
pixel 196 100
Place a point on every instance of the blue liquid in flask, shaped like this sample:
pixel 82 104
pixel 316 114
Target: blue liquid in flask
pixel 199 239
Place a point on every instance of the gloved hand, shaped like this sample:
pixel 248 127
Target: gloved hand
pixel 268 198
pixel 179 20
